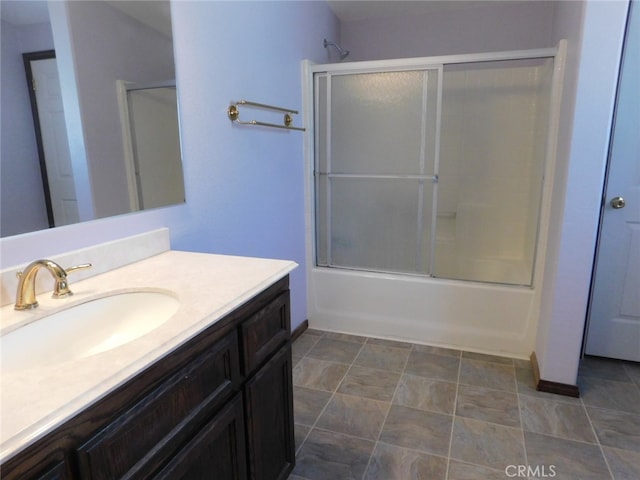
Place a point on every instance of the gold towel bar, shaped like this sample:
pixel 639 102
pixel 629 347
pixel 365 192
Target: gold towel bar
pixel 234 115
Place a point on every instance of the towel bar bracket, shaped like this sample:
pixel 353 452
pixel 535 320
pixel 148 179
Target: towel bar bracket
pixel 233 112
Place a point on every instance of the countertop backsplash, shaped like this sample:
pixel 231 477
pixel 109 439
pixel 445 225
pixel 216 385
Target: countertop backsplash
pixel 103 257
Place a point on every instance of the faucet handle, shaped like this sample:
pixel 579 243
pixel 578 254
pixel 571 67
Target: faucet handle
pixel 82 266
pixel 61 288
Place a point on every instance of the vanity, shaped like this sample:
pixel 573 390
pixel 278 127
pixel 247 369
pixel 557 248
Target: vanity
pixel 205 394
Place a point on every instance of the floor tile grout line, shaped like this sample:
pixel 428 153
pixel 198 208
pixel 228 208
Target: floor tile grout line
pixel 453 417
pixel 324 408
pixel 414 450
pixel 464 384
pixel 559 400
pixel 572 440
pixel 333 393
pixel 627 369
pixel 610 409
pixel 519 392
pixel 316 421
pixel 384 421
pixel 524 439
pixel 350 435
pixel 595 434
pixel 608 380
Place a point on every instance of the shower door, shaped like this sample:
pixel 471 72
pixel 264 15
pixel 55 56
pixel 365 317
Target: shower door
pixel 434 171
pixel 376 169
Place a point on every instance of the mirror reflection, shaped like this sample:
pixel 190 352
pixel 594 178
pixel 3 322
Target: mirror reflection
pixel 89 112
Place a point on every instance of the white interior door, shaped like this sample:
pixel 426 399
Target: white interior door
pixel 614 322
pixel 54 140
pixel 155 141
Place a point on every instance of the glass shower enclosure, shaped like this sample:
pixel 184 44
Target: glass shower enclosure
pixel 432 170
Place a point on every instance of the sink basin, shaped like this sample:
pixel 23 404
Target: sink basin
pixel 86 329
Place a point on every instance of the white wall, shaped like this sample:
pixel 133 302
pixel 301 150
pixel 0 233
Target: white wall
pixel 489 27
pixel 21 195
pixel 592 71
pixel 244 186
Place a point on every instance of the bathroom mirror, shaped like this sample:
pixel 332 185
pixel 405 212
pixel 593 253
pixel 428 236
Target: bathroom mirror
pixel 116 69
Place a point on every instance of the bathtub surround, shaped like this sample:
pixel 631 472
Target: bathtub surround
pixel 472 137
pixel 245 189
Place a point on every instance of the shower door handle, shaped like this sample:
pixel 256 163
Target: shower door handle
pixel 617 202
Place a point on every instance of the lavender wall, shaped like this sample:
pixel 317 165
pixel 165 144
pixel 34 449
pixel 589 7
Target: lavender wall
pixel 244 186
pixel 486 28
pixel 21 195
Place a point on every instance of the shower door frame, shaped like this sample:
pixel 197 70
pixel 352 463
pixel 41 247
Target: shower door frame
pixel 421 177
pixel 430 310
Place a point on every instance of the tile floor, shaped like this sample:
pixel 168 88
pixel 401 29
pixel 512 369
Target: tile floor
pixel 376 409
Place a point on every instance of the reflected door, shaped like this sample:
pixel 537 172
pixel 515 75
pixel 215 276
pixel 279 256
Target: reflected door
pixel 614 320
pixel 155 142
pixel 50 124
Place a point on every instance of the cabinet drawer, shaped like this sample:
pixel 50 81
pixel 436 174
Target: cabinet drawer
pixel 152 429
pixel 264 332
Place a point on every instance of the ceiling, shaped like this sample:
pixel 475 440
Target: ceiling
pixel 21 12
pixel 156 14
pixel 350 10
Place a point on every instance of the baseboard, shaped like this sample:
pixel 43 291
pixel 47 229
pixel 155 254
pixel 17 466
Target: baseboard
pixel 565 389
pixel 299 330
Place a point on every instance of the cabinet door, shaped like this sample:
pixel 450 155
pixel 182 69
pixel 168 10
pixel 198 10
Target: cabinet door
pixel 264 332
pixel 217 452
pixel 269 417
pixel 59 472
pixel 145 435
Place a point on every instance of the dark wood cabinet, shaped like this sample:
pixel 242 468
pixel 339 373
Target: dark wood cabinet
pixel 263 332
pixel 135 444
pixel 219 406
pixel 269 414
pixel 217 451
pixel 59 472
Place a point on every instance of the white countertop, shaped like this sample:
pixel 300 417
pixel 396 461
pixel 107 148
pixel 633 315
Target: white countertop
pixel 35 401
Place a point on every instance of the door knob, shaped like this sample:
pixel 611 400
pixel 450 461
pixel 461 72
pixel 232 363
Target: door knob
pixel 617 202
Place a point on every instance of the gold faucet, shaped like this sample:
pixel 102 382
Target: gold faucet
pixel 26 294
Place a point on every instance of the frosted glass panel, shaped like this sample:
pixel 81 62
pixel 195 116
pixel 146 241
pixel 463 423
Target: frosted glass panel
pixel 379 225
pixel 383 138
pixel 372 131
pixel 494 120
pixel 376 121
pixel 321 121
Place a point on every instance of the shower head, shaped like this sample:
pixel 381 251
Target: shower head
pixel 343 53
